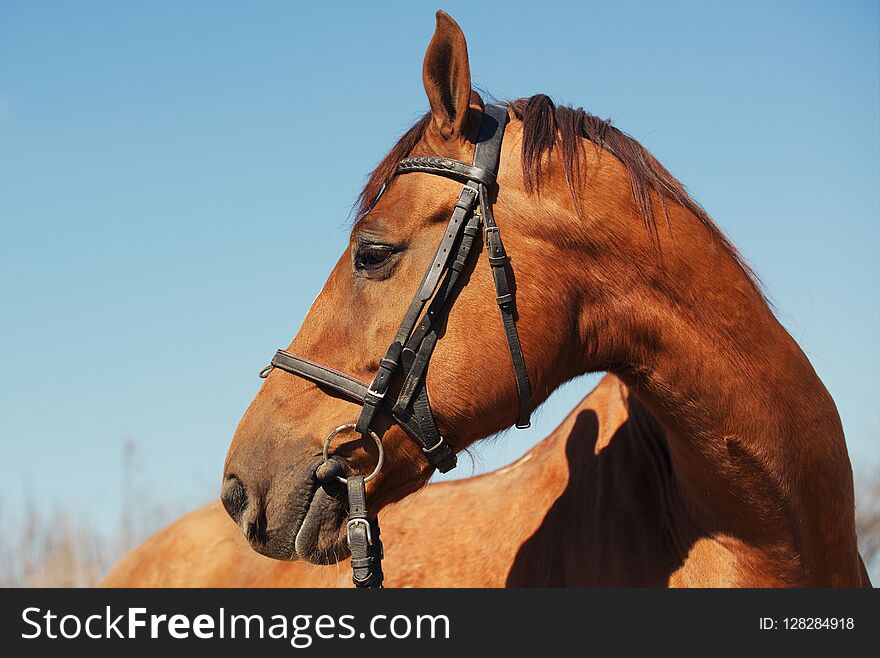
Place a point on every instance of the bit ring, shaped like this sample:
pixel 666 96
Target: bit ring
pixel 373 435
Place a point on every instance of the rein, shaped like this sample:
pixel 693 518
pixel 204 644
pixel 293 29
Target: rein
pixel 410 351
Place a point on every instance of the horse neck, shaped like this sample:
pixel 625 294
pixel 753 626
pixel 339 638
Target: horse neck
pixel 755 440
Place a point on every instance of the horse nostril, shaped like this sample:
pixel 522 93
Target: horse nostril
pixel 234 497
pixel 255 530
pixel 246 509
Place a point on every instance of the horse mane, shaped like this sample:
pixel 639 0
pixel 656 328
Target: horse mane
pixel 546 127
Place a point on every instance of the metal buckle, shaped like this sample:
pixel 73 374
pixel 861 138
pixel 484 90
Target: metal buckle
pixel 488 230
pixel 475 194
pixel 440 444
pixel 376 394
pixel 352 522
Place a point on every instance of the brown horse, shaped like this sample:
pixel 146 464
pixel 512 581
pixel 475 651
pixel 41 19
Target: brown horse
pixel 617 269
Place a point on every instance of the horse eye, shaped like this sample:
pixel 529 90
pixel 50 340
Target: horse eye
pixel 372 256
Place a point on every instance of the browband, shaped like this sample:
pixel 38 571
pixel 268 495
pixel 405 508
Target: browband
pixel 432 164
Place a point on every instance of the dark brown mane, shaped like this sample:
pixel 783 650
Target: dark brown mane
pixel 547 127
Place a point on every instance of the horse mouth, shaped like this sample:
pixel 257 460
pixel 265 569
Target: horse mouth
pixel 320 536
pixel 307 522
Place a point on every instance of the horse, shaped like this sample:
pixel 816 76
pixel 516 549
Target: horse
pixel 616 269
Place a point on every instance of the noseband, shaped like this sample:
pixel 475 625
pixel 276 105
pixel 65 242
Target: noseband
pixel 412 347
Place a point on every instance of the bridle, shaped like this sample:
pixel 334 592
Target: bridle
pixel 412 347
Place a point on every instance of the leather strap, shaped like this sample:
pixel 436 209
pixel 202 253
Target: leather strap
pixel 356 391
pixel 350 387
pixel 439 265
pixel 363 537
pixel 448 168
pixel 424 338
pixel 506 300
pixel 488 156
pixel 464 206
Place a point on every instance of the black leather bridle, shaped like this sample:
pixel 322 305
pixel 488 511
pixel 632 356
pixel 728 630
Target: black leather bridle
pixel 412 347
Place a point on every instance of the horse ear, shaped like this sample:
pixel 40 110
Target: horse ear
pixel 447 77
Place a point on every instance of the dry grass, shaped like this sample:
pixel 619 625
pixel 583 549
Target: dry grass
pixel 52 550
pixel 56 548
pixel 868 524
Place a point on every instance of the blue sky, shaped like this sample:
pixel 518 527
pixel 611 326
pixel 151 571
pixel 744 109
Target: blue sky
pixel 166 217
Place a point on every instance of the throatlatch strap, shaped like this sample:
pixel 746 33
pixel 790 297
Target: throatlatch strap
pixel 363 537
pixel 506 300
pixel 488 156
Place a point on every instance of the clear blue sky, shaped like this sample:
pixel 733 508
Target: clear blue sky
pixel 167 216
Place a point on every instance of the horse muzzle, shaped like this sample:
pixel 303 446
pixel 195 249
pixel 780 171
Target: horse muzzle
pixel 289 516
